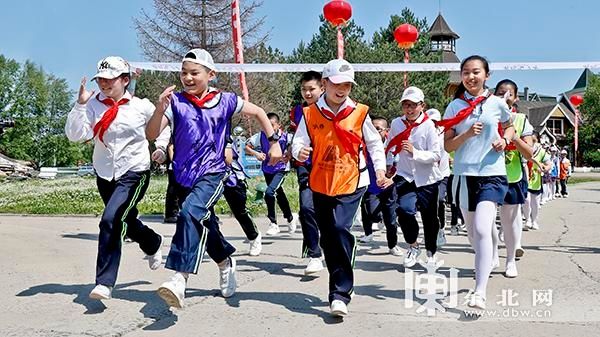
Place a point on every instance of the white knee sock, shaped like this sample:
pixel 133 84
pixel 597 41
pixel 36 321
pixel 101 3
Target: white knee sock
pixel 527 207
pixel 485 216
pixel 535 207
pixel 469 218
pixel 510 218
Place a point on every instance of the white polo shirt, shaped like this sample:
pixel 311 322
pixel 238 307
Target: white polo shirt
pixel 476 156
pixel 125 147
pixel 422 165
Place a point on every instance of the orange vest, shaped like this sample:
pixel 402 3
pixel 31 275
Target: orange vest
pixel 334 170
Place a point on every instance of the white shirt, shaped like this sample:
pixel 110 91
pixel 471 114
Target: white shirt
pixel 125 147
pixel 422 165
pixel 370 135
pixel 476 156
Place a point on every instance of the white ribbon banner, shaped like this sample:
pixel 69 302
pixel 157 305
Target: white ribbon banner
pixel 369 67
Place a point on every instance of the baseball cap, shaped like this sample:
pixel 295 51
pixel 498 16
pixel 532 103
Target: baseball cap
pixel 434 114
pixel 339 71
pixel 200 56
pixel 413 94
pixel 111 67
pixel 563 152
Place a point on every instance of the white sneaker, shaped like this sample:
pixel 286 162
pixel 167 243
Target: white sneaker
pixel 410 259
pixel 155 259
pixel 511 270
pixel 173 291
pixel 256 246
pixel 227 280
pixel 396 251
pixel 495 263
pixel 293 225
pixel 526 226
pixel 454 230
pixel 535 226
pixel 441 238
pixel 366 238
pixel 101 292
pixel 431 259
pixel 314 265
pixel 338 308
pixel 273 229
pixel 519 252
pixel 477 301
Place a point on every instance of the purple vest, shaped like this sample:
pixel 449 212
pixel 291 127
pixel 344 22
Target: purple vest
pixel 265 146
pixel 236 170
pixel 199 137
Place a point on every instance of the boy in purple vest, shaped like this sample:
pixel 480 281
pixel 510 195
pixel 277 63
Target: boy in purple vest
pixel 274 175
pixel 200 119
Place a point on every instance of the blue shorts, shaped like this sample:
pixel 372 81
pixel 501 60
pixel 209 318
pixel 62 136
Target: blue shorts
pixel 517 193
pixel 471 190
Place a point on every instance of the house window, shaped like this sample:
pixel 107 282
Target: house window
pixel 556 126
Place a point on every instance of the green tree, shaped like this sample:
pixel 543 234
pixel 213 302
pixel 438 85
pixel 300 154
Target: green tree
pixel 589 130
pixel 38 103
pixel 381 91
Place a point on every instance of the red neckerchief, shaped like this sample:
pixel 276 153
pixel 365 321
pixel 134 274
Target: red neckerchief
pixel 447 124
pixel 346 137
pixel 402 136
pixel 200 102
pixel 109 115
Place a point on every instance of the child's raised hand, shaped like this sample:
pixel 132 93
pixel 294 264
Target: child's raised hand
pixel 475 129
pixel 159 156
pixel 84 95
pixel 499 144
pixel 164 100
pixel 260 156
pixel 382 180
pixel 407 146
pixel 304 153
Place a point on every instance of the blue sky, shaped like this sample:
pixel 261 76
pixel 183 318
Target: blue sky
pixel 67 37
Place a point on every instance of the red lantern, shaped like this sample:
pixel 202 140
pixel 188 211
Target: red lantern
pixel 576 100
pixel 337 12
pixel 406 35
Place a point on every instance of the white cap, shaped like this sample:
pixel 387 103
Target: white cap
pixel 413 94
pixel 434 114
pixel 563 151
pixel 200 56
pixel 111 67
pixel 339 71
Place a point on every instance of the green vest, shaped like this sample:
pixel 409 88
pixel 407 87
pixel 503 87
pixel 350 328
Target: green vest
pixel 535 174
pixel 512 158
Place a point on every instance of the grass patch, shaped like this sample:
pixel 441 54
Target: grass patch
pixel 577 180
pixel 79 196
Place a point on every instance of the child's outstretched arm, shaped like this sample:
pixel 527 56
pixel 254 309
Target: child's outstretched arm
pixel 78 127
pixel 252 110
pixel 158 121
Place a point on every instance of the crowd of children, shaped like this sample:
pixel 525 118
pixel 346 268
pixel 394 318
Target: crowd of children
pixel 480 156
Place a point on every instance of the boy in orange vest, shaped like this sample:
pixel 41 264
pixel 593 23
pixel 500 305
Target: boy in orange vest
pixel 337 131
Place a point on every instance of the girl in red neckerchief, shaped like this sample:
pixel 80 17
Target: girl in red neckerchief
pixel 516 155
pixel 480 184
pixel 117 122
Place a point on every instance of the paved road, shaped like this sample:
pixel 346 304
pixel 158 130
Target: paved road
pixel 48 270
